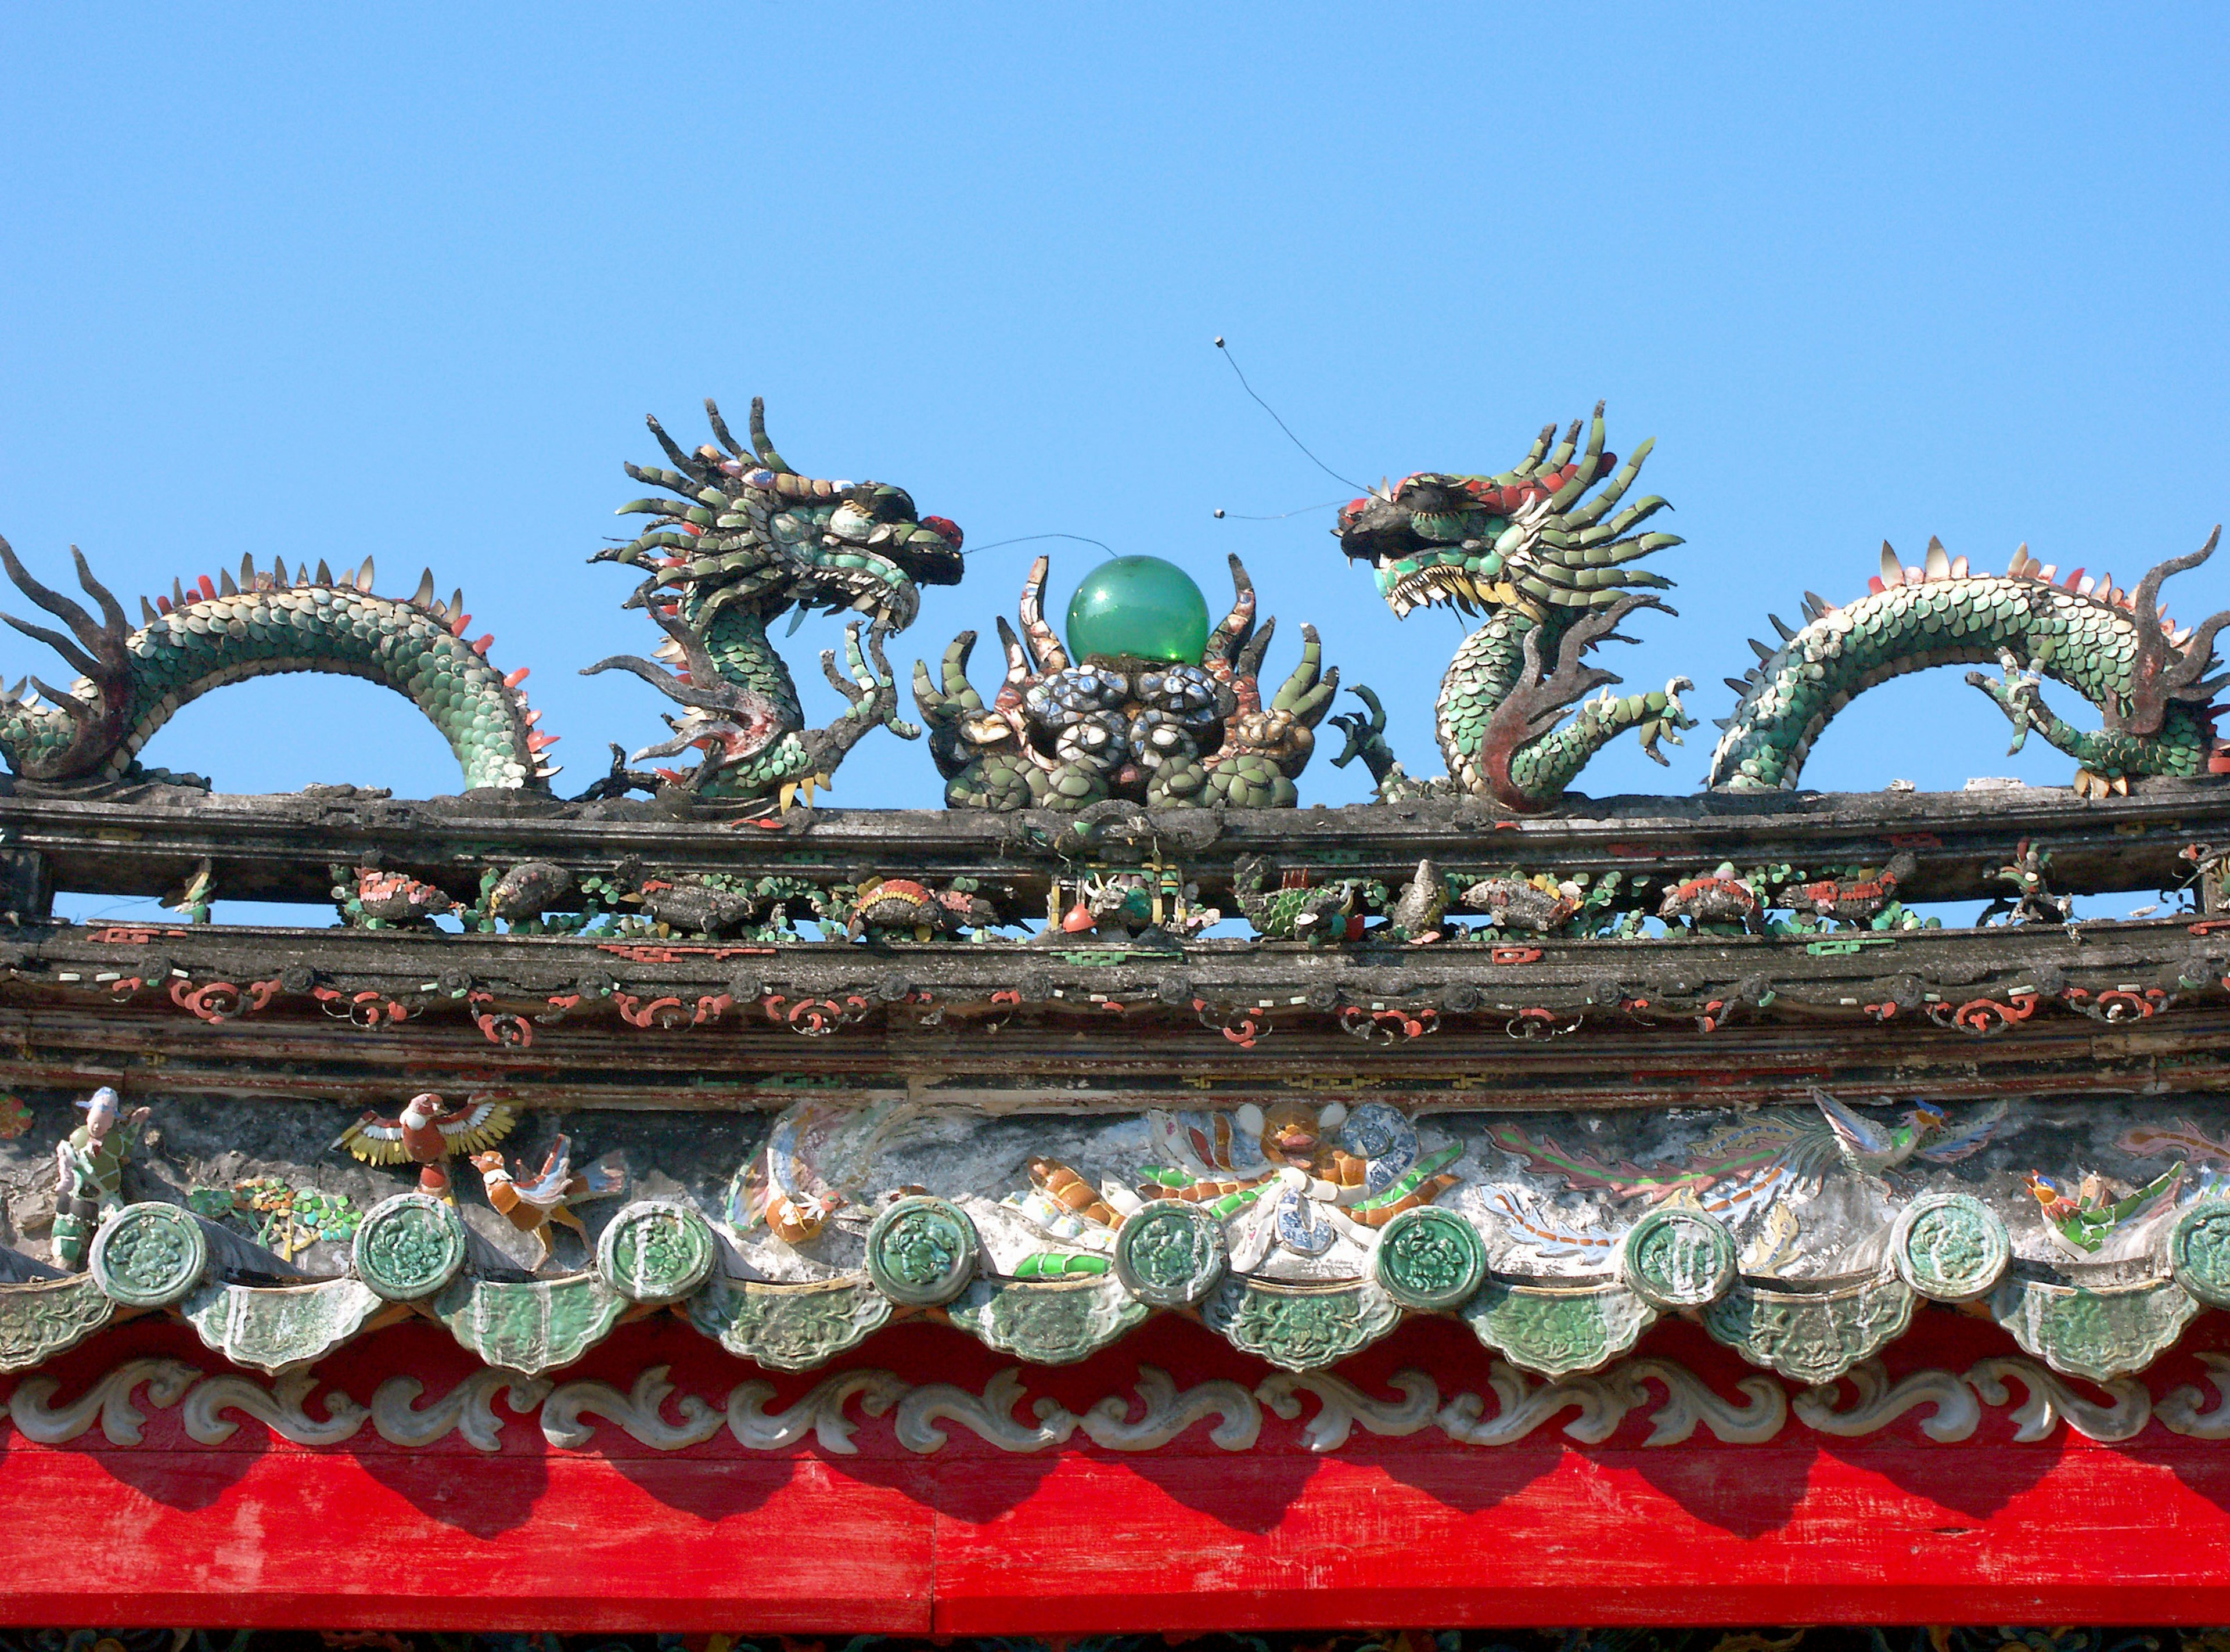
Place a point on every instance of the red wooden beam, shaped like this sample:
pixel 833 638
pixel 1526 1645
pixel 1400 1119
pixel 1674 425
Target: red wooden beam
pixel 257 1532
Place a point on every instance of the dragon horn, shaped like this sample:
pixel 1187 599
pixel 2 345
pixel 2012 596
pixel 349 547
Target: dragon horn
pixel 2162 672
pixel 56 604
pixel 1031 611
pixel 1239 625
pixel 75 656
pixel 111 611
pixel 2147 598
pixel 1251 652
pixel 690 465
pixel 761 445
pixel 720 428
pixel 1019 668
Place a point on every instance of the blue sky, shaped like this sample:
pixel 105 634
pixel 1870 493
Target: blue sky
pixel 322 283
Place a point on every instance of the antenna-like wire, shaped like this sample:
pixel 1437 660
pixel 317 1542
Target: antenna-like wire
pixel 1024 539
pixel 1240 516
pixel 1282 425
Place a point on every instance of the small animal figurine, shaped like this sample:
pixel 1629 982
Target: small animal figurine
pixel 1419 910
pixel 427 1133
pixel 193 897
pixel 531 1206
pixel 1719 897
pixel 528 890
pixel 887 906
pixel 1064 1203
pixel 1318 915
pixel 394 897
pixel 1873 1149
pixel 1293 1163
pixel 2084 1217
pixel 2029 899
pixel 1535 905
pixel 817 1153
pixel 687 905
pixel 90 1164
pixel 1856 901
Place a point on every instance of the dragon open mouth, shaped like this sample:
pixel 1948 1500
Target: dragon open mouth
pixel 1409 587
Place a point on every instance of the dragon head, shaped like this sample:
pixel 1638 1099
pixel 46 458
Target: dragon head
pixel 1525 538
pixel 747 529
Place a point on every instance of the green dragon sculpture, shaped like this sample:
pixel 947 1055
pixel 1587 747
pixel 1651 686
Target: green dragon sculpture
pixel 746 539
pixel 225 631
pixel 1548 566
pixel 2117 649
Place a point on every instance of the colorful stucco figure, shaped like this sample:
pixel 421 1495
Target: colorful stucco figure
pixel 429 1133
pixel 2148 677
pixel 1136 707
pixel 1546 567
pixel 745 540
pixel 534 1200
pixel 265 623
pixel 90 1161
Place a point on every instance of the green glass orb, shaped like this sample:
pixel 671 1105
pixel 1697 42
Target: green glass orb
pixel 1141 607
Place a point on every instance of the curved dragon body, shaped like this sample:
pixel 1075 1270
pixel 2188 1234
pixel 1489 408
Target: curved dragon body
pixel 745 540
pixel 1548 567
pixel 2116 648
pixel 132 681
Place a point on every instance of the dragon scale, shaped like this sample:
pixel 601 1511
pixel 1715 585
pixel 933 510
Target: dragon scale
pixel 2115 648
pixel 263 625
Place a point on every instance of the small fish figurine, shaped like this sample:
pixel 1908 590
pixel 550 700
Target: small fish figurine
pixel 1536 905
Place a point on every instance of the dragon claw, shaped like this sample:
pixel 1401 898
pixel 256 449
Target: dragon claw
pixel 2018 694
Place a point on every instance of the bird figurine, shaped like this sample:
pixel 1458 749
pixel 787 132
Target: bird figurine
pixel 428 1132
pixel 193 897
pixel 1860 899
pixel 1419 910
pixel 1873 1149
pixel 547 1197
pixel 2029 898
pixel 1538 905
pixel 393 898
pixel 2084 1217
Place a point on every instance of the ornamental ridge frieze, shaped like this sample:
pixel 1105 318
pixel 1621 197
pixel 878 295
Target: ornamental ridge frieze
pixel 1806 1238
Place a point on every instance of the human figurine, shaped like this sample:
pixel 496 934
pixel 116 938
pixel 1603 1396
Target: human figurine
pixel 90 1161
